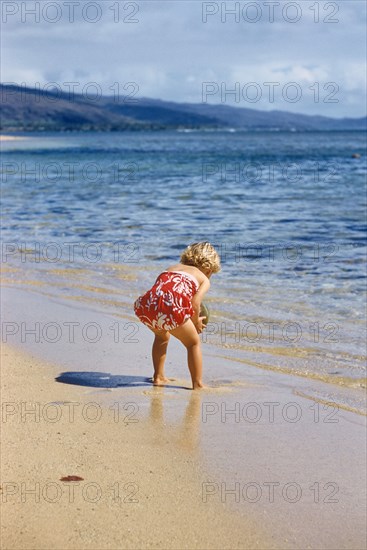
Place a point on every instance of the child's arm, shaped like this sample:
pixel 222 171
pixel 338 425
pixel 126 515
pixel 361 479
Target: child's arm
pixel 196 303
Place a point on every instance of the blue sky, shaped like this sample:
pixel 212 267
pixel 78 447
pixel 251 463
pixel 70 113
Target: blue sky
pixel 170 48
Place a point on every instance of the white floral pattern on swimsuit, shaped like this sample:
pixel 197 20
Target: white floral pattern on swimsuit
pixel 167 305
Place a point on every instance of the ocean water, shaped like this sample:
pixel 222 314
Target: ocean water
pixel 96 216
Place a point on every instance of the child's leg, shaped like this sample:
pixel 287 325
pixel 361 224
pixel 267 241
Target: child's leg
pixel 187 334
pixel 159 351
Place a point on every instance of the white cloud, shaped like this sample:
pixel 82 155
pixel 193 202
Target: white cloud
pixel 170 52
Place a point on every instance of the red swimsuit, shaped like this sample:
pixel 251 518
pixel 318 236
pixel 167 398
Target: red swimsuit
pixel 167 305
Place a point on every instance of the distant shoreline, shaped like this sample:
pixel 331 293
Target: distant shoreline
pixel 29 109
pixel 12 138
pixel 44 131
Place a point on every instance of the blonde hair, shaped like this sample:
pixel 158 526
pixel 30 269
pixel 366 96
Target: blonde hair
pixel 202 255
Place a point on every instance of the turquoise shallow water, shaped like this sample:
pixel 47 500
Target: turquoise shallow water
pixel 286 211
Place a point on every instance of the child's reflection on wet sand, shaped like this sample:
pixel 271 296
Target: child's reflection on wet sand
pixel 185 434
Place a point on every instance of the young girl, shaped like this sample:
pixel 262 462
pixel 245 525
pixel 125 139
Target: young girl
pixel 172 306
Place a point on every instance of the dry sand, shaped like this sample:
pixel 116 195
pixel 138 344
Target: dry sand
pixel 152 470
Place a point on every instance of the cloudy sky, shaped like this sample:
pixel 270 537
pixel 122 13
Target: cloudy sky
pixel 304 56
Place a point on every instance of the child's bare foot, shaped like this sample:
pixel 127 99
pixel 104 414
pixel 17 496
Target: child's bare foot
pixel 159 380
pixel 198 386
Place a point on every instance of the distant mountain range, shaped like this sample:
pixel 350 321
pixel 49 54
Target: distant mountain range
pixel 28 109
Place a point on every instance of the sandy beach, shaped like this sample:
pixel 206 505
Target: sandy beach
pixel 131 495
pixel 254 464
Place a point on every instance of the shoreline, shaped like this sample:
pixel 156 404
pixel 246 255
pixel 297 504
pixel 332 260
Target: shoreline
pixel 105 298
